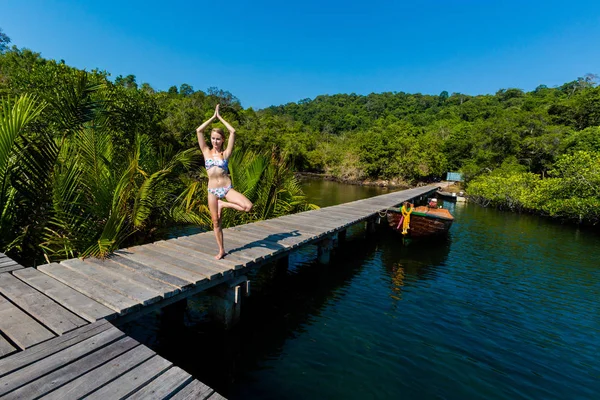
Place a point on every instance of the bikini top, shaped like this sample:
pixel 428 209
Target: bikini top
pixel 216 162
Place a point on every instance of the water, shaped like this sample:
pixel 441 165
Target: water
pixel 506 307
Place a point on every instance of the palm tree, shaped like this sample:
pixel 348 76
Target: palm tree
pixel 23 170
pixel 99 200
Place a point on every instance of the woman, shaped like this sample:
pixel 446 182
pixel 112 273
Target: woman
pixel 219 182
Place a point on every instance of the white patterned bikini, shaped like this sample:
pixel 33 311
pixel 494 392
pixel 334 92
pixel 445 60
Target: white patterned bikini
pixel 220 192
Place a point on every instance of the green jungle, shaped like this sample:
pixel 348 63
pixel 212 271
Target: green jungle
pixel 89 164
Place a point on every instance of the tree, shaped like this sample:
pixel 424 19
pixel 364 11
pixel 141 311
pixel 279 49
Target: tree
pixel 186 90
pixel 4 41
pixel 127 82
pixel 443 97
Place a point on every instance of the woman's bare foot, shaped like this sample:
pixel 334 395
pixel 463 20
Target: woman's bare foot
pixel 219 207
pixel 220 255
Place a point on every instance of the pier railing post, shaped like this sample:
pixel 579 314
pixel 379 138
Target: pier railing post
pixel 226 305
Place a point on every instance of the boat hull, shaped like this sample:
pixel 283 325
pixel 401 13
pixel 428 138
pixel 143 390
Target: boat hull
pixel 424 221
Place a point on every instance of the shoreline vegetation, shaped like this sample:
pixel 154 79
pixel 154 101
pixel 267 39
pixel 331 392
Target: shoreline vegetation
pixel 382 183
pixel 90 163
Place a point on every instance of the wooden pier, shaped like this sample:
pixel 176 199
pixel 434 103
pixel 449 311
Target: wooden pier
pixel 56 335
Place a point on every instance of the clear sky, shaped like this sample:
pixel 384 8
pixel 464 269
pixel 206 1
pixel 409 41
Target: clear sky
pixel 274 52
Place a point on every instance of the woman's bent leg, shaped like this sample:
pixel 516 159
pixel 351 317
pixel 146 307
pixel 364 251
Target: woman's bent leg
pixel 216 220
pixel 226 204
pixel 237 201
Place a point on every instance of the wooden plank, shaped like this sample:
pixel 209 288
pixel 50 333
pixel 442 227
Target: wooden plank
pixel 194 267
pixel 39 306
pixel 134 291
pixel 129 382
pixel 59 377
pixel 5 347
pixel 42 350
pixel 139 268
pixel 195 390
pixel 161 387
pixel 98 377
pixel 313 233
pixel 250 246
pixel 288 238
pixel 158 286
pixel 7 262
pixel 164 247
pixel 175 246
pixel 241 247
pixel 167 268
pixel 316 231
pixel 340 221
pixel 23 330
pixel 9 268
pixel 207 244
pixel 341 211
pixel 13 381
pixel 216 396
pixel 194 256
pixel 342 215
pixel 66 296
pixel 316 225
pixel 315 222
pixel 210 248
pixel 279 229
pixel 260 239
pixel 97 291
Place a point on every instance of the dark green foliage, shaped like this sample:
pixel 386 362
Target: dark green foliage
pixel 88 165
pixel 103 163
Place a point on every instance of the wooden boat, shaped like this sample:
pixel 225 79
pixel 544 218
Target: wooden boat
pixel 424 221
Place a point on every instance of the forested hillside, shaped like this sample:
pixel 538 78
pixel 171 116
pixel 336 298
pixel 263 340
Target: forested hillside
pixel 90 162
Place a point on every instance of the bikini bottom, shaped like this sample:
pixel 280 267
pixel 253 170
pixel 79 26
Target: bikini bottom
pixel 220 192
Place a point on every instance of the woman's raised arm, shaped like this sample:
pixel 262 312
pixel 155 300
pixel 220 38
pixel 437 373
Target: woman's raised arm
pixel 231 138
pixel 200 131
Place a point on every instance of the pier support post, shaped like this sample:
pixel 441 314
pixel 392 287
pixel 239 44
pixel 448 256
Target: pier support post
pixel 283 263
pixel 226 305
pixel 174 314
pixel 371 226
pixel 341 237
pixel 324 250
pixel 335 241
pixel 281 266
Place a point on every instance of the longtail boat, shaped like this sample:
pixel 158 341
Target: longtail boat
pixel 423 221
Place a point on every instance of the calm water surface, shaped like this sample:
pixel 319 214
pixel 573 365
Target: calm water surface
pixel 505 308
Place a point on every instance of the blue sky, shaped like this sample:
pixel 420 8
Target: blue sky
pixel 275 52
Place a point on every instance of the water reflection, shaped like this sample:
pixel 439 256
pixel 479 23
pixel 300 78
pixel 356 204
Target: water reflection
pixel 327 193
pixel 409 262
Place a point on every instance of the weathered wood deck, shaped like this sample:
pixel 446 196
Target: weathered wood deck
pixel 49 351
pixel 54 334
pixel 96 361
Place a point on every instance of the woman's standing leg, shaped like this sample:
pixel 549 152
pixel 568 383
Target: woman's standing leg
pixel 213 206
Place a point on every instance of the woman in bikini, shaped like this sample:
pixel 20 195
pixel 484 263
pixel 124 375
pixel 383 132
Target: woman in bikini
pixel 219 183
